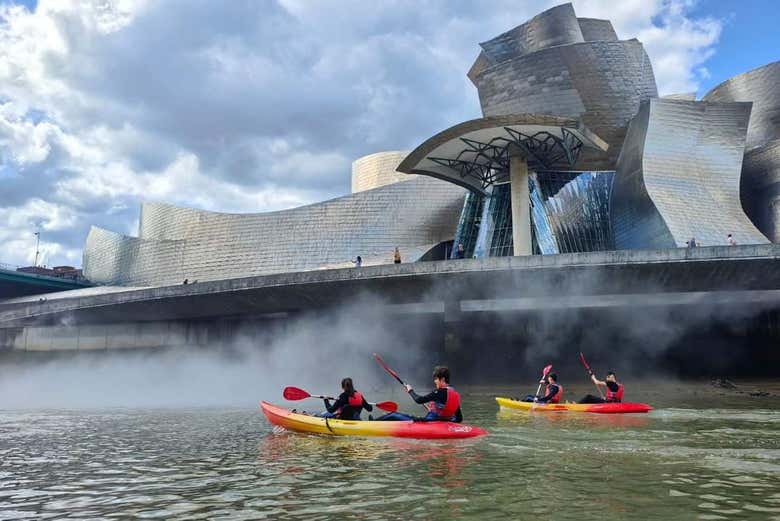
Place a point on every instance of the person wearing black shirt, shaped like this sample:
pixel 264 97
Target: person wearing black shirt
pixel 348 405
pixel 443 402
pixel 613 388
pixel 553 392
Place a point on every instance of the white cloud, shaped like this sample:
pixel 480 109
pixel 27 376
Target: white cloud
pixel 246 106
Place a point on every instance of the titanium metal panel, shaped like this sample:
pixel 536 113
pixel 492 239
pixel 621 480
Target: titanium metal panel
pixel 760 188
pixel 555 26
pixel 375 170
pixel 177 243
pixel 600 82
pixel 594 30
pixel 684 159
pixel 762 87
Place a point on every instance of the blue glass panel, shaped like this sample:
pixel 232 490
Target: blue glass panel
pixel 569 213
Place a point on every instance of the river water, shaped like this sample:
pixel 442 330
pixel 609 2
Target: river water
pixel 702 454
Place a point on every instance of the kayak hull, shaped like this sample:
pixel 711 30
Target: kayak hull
pixel 599 408
pixel 298 422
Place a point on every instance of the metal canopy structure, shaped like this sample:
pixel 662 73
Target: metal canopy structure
pixel 475 154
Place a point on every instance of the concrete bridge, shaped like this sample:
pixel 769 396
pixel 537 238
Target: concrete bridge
pixel 106 317
pixel 17 283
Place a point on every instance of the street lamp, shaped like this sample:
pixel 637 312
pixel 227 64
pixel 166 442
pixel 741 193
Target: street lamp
pixel 37 244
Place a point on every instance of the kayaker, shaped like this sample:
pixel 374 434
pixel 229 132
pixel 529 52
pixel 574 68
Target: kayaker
pixel 348 405
pixel 613 388
pixel 444 400
pixel 552 394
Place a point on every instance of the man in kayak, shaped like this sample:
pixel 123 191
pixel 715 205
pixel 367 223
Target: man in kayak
pixel 553 393
pixel 613 388
pixel 443 402
pixel 348 405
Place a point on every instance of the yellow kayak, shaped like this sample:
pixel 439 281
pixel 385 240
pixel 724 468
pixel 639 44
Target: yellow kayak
pixel 295 421
pixel 601 408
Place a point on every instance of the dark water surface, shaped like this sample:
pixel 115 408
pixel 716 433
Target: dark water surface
pixel 703 454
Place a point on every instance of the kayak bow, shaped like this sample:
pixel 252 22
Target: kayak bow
pixel 298 422
pixel 601 408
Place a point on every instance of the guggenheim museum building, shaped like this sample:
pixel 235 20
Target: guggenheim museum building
pixel 575 152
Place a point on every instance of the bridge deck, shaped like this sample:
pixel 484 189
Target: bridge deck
pixel 634 272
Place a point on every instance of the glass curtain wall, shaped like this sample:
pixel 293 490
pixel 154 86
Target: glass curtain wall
pixel 570 211
pixel 569 214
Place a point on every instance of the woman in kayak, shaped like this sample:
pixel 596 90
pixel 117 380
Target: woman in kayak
pixel 348 405
pixel 613 388
pixel 553 393
pixel 443 402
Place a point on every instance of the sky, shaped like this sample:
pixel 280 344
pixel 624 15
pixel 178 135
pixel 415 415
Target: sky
pixel 261 105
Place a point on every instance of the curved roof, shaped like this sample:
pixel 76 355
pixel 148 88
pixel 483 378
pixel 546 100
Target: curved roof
pixel 760 87
pixel 475 154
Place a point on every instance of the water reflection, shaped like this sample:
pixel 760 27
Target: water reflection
pixel 679 463
pixel 574 420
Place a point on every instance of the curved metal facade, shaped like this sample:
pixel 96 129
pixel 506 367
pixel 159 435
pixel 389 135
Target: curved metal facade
pixel 760 188
pixel 759 86
pixel 563 73
pixel 375 170
pixel 678 176
pixel 177 243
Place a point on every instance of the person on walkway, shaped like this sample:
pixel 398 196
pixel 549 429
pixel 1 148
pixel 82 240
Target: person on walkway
pixel 730 240
pixel 692 242
pixel 397 256
pixel 348 405
pixel 552 394
pixel 460 252
pixel 613 390
pixel 358 262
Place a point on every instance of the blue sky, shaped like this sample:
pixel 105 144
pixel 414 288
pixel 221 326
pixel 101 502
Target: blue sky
pixel 750 37
pixel 262 105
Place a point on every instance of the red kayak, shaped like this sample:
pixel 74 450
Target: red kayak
pixel 295 421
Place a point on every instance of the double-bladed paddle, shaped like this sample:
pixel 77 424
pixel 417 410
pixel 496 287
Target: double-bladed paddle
pixel 545 372
pixel 295 394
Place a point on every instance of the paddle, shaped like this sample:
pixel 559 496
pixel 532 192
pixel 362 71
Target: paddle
pixel 590 372
pixel 545 372
pixel 295 394
pixel 392 373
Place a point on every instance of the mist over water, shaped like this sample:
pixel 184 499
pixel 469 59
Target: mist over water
pixel 313 352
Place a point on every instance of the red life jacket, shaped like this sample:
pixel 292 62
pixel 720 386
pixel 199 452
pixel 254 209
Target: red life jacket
pixel 557 397
pixel 356 401
pixel 447 410
pixel 615 396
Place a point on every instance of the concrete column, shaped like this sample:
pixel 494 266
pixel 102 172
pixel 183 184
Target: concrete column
pixel 521 205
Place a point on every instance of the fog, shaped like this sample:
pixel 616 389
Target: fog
pixel 312 352
pixel 707 336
